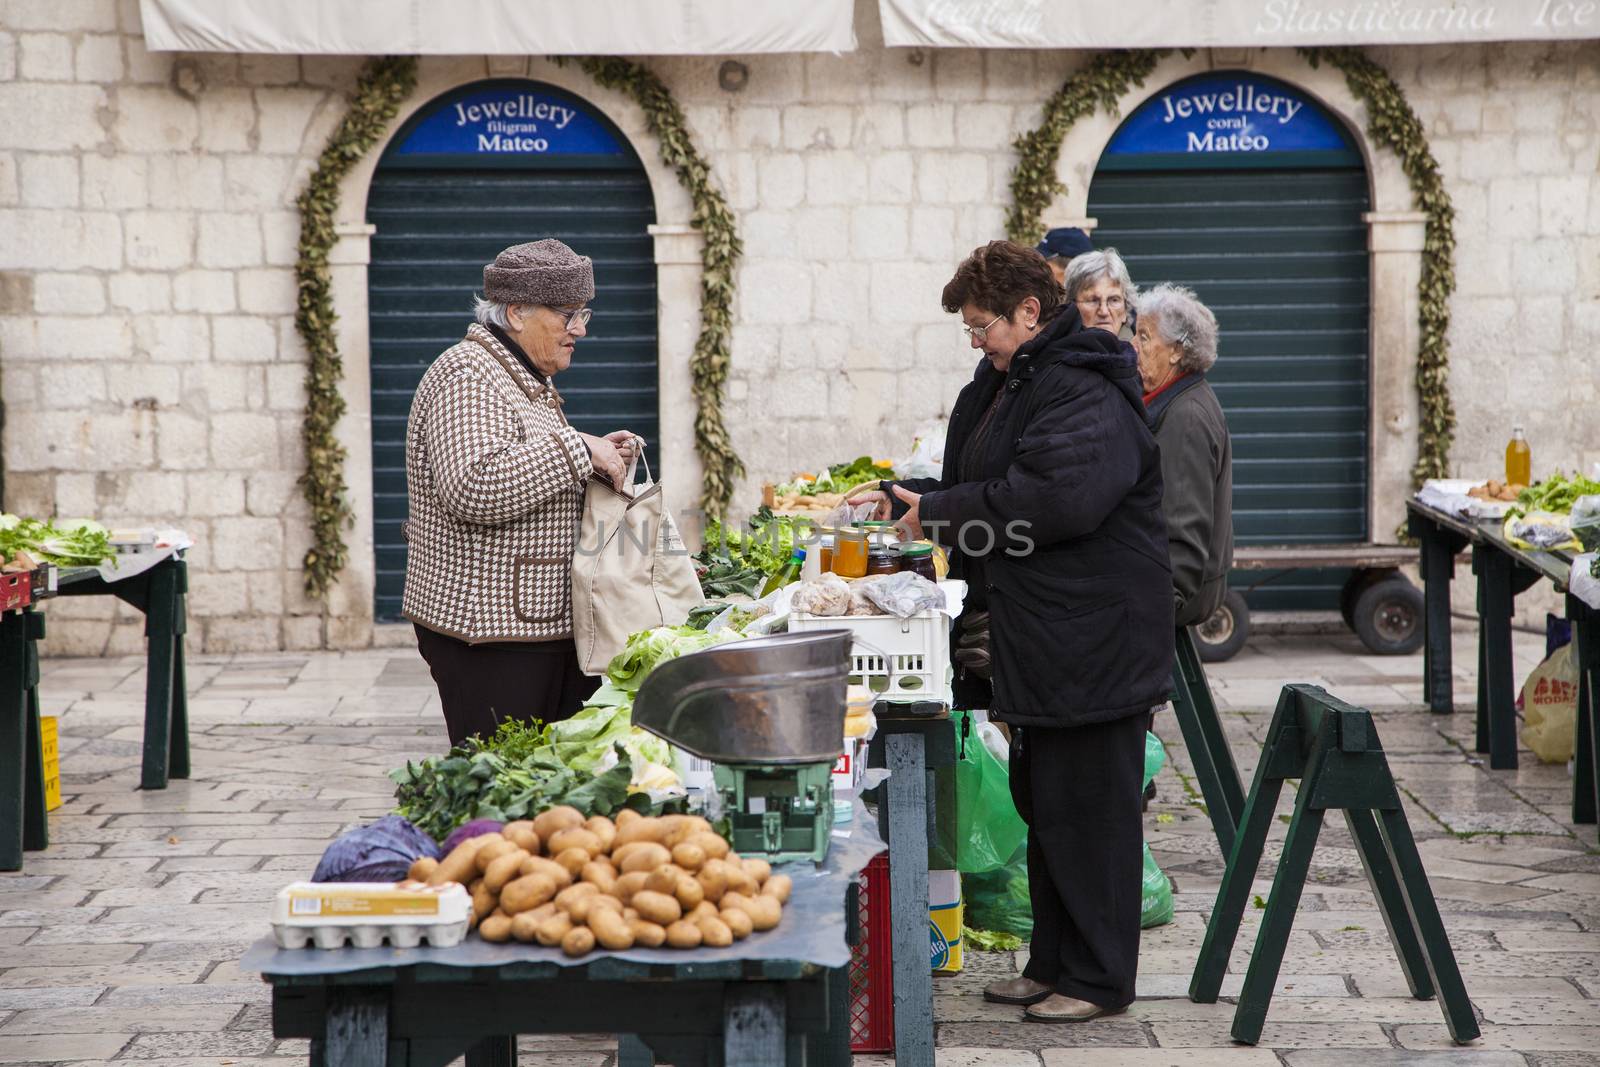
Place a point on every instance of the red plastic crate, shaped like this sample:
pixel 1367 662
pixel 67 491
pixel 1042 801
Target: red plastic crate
pixel 872 964
pixel 14 590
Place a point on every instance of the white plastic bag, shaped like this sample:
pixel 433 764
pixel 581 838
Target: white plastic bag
pixel 927 454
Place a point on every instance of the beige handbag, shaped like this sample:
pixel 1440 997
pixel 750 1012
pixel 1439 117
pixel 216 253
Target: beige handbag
pixel 630 571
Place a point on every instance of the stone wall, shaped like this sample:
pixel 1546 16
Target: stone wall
pixel 151 371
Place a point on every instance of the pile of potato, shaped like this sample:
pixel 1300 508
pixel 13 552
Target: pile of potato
pixel 561 879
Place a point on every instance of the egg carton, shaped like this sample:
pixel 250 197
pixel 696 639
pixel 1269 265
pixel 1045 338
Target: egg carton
pixel 366 914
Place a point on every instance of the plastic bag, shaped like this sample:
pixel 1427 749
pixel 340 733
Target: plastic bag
pixel 1540 531
pixel 988 828
pixel 1155 889
pixel 842 516
pixel 998 900
pixel 381 852
pixel 1549 702
pixel 828 595
pixel 905 594
pixel 927 454
pixel 1586 522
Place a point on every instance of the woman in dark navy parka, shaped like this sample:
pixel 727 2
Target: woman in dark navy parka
pixel 1050 504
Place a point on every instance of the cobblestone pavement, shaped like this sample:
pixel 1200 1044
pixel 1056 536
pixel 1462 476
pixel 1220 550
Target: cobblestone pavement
pixel 120 943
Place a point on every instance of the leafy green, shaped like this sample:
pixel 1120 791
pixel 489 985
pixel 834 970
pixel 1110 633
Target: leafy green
pixel 647 648
pixel 722 577
pixel 1556 493
pixel 71 543
pixel 991 940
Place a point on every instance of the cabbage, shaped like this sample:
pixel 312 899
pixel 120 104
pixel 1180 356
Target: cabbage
pixel 647 648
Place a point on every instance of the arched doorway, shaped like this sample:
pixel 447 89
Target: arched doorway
pixel 481 167
pixel 1245 189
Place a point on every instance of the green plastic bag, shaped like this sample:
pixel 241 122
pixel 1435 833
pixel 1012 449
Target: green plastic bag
pixel 1155 896
pixel 988 829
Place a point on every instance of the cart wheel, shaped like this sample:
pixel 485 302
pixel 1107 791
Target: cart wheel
pixel 1388 617
pixel 1359 582
pixel 1221 636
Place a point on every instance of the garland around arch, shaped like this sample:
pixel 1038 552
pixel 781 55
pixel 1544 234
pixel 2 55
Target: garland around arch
pixel 384 84
pixel 1391 122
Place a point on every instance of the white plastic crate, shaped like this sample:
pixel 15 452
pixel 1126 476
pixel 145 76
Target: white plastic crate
pixel 901 660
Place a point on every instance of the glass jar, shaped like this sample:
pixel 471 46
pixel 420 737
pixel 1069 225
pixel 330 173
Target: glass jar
pixel 825 548
pixel 850 554
pixel 917 558
pixel 882 559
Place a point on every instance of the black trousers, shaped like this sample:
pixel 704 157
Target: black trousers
pixel 482 686
pixel 1078 789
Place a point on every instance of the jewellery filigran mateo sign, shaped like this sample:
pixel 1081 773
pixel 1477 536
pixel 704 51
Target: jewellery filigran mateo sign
pixel 509 119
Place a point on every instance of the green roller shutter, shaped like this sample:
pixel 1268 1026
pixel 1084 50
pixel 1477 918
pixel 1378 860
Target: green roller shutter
pixel 1280 256
pixel 436 228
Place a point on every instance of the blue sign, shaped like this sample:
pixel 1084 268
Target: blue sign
pixel 1227 113
pixel 511 121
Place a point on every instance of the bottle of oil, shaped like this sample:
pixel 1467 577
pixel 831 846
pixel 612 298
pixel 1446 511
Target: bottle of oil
pixel 1519 460
pixel 790 573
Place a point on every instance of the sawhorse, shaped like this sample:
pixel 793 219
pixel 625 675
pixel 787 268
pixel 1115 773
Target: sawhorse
pixel 1196 712
pixel 1333 749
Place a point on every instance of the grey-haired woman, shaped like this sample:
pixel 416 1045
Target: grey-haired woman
pixel 1099 283
pixel 1176 341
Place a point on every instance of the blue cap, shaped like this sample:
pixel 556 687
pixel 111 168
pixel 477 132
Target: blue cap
pixel 1066 242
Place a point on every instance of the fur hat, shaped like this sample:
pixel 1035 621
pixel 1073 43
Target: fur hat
pixel 540 272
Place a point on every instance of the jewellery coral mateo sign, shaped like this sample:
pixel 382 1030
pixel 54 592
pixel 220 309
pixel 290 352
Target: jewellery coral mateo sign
pixel 1226 113
pixel 508 120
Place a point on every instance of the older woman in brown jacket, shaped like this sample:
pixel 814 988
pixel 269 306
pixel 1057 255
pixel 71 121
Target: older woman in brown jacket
pixel 496 479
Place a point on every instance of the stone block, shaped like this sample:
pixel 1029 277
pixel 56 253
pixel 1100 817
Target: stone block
pixel 246 543
pixel 101 337
pixel 171 338
pixel 229 241
pixel 60 240
pixel 68 386
pixel 767 234
pixel 120 181
pixel 1544 265
pixel 954 178
pixel 809 126
pixel 227 120
pixel 147 67
pixel 44 57
pixel 1023 77
pixel 75 494
pixel 259 183
pixel 244 441
pixel 286 388
pixel 151 386
pixel 931 126
pixel 757 127
pixel 141 292
pixel 304 633
pixel 160 240
pixel 192 182
pixel 905 292
pixel 150 119
pixel 879 232
pixel 841 290
pixel 69 294
pixel 280 232
pixel 203 290
pixel 49 181
pixel 782 181
pixel 1563 204
pixel 985 123
pixel 247 634
pixel 933 233
pixel 218 387
pixel 269 70
pixel 1541 326
pixel 54 440
pixel 272 493
pixel 241 339
pixel 51 118
pixel 880 127
pixel 835 178
pixel 268 292
pixel 774 292
pixel 10 187
pixel 8 57
pixel 91 15
pixel 890 176
pixel 142 493
pixel 331 72
pixel 99 59
pixel 282 117
pixel 19 384
pixel 841 79
pixel 16 293
pixel 1540 154
pixel 822 233
pixel 218 593
pixel 1493 155
pixel 266 591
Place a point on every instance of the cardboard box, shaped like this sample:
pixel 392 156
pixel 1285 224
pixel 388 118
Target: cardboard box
pixel 49 736
pixel 945 918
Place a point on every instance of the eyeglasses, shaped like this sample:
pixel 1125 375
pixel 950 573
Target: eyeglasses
pixel 579 319
pixel 980 332
pixel 1110 303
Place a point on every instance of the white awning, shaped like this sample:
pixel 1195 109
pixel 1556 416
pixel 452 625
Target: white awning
pixel 498 27
pixel 1229 23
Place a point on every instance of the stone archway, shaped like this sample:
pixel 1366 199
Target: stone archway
pixel 1394 243
pixel 677 256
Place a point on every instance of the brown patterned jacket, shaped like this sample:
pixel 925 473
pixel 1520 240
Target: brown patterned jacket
pixel 496 478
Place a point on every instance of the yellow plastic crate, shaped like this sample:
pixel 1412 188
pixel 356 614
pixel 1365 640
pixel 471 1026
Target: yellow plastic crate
pixel 49 734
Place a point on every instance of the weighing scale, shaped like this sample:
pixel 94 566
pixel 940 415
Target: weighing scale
pixel 769 715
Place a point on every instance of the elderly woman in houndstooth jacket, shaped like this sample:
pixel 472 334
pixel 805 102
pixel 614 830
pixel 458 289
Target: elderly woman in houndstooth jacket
pixel 496 479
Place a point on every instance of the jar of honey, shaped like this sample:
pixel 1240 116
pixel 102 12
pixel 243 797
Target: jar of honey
pixel 825 543
pixel 917 557
pixel 882 559
pixel 850 553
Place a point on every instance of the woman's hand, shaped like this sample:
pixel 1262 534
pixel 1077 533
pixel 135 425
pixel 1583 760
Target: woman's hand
pixel 910 524
pixel 628 444
pixel 876 497
pixel 606 458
